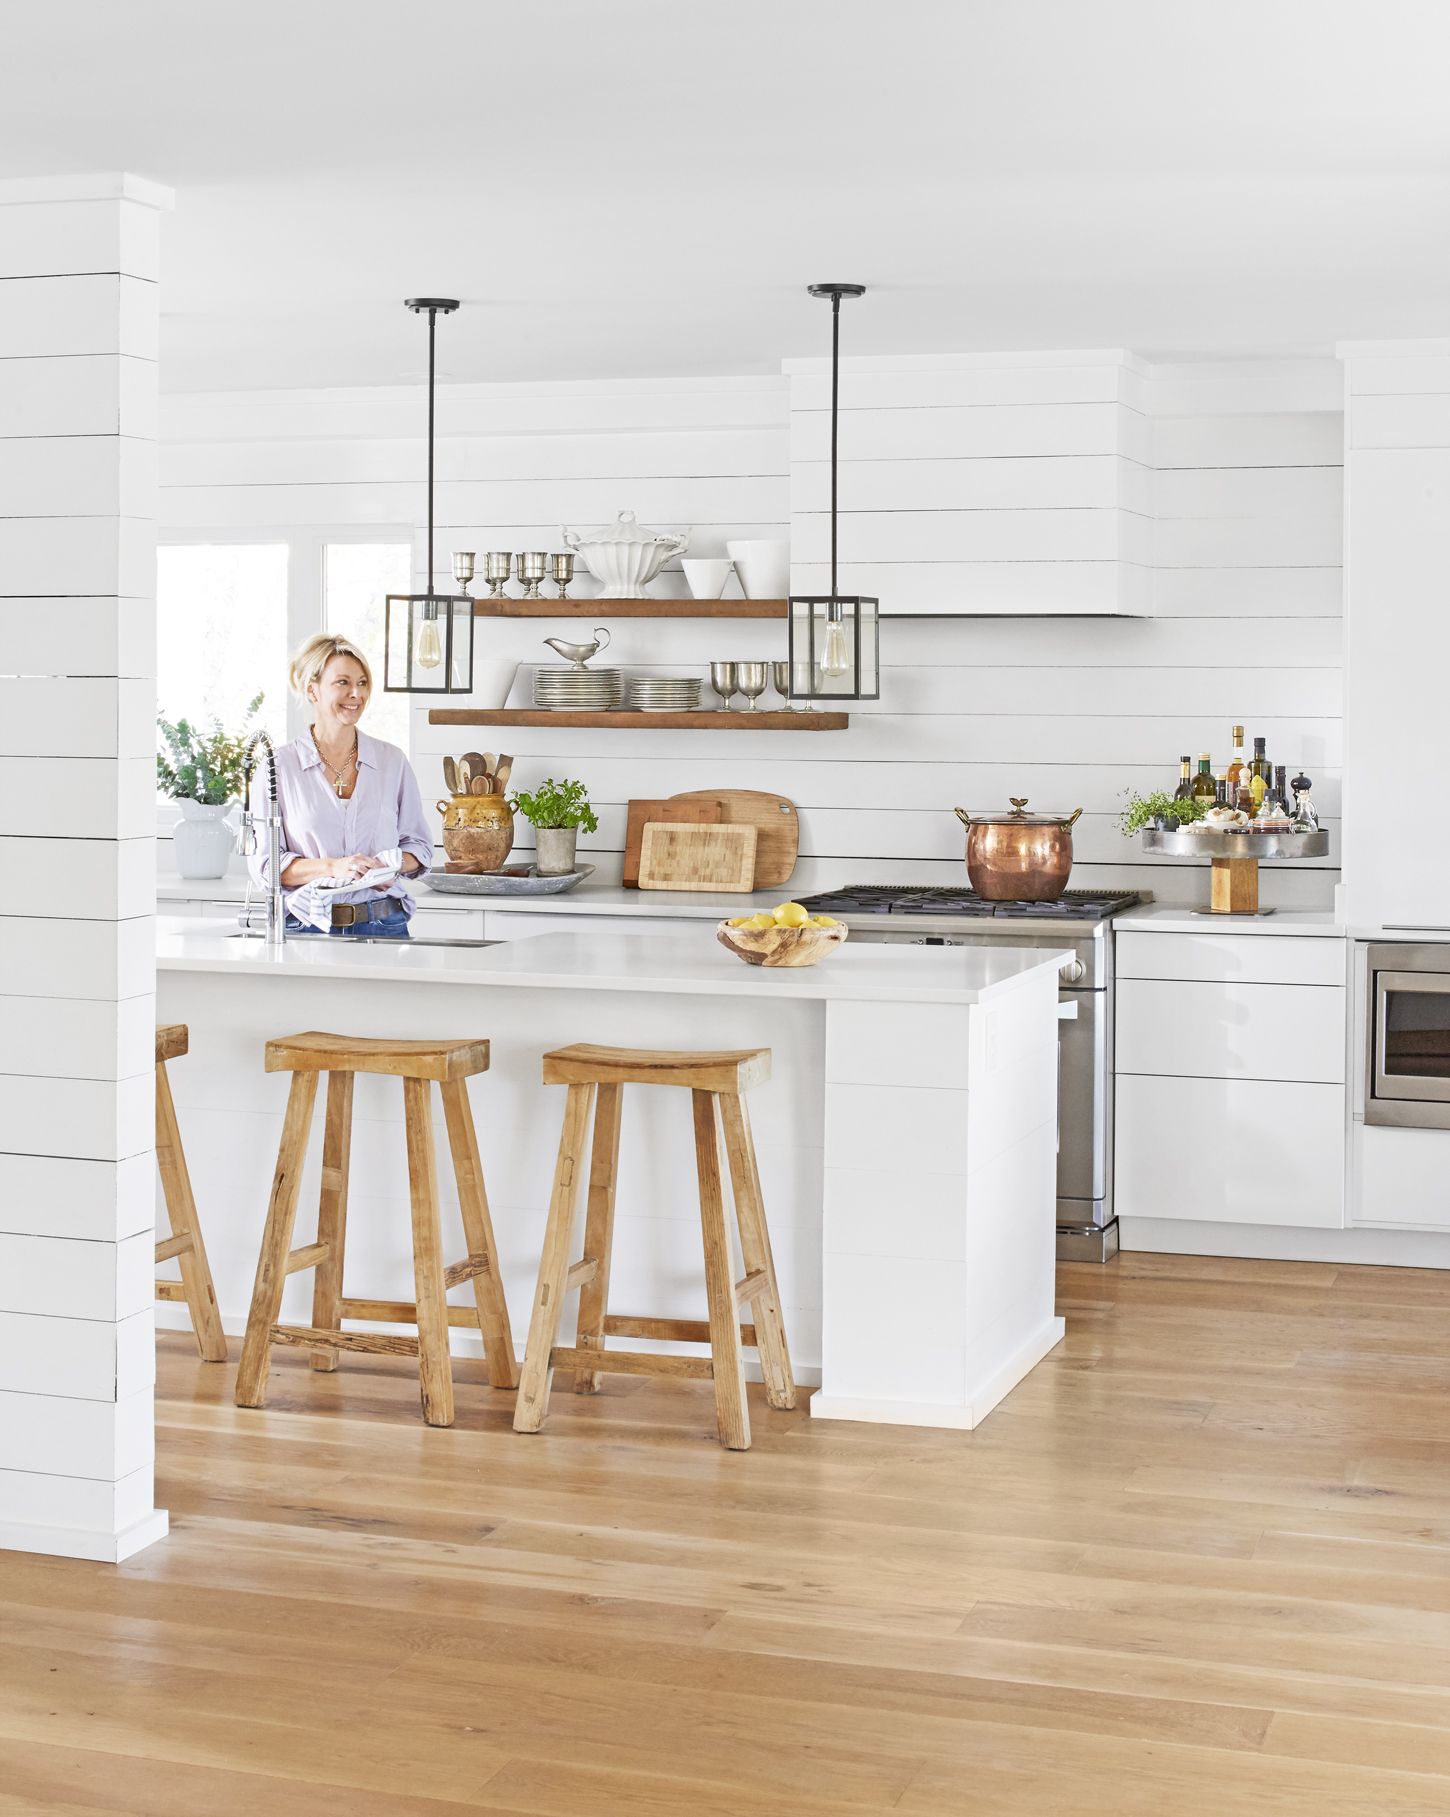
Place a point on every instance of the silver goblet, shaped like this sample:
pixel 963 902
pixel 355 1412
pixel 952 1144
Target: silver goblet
pixel 533 566
pixel 497 566
pixel 563 569
pixel 751 680
pixel 725 680
pixel 462 568
pixel 780 681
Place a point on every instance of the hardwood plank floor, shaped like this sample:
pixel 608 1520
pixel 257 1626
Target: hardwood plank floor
pixel 1197 1565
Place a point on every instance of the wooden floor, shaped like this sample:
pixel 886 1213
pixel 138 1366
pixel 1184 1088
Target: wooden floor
pixel 1197 1565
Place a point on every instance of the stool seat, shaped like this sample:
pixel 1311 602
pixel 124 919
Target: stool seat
pixel 172 1041
pixel 731 1070
pixel 440 1061
pixel 418 1065
pixel 717 1081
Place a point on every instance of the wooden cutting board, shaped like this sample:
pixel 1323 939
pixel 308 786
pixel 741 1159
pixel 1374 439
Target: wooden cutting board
pixel 773 815
pixel 678 856
pixel 701 813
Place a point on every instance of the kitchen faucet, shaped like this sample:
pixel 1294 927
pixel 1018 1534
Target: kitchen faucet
pixel 272 820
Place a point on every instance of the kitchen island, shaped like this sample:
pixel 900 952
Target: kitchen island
pixel 906 1139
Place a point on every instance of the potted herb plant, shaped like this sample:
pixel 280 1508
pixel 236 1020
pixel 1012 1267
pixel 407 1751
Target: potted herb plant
pixel 1166 812
pixel 556 811
pixel 202 771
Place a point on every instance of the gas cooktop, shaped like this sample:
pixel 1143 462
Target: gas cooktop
pixel 943 900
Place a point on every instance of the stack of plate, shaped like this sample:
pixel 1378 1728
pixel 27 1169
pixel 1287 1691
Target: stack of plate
pixel 564 684
pixel 663 693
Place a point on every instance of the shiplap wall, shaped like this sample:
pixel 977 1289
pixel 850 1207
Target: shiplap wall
pixel 1230 472
pixel 78 328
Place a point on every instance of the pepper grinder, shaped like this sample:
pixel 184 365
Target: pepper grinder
pixel 1306 817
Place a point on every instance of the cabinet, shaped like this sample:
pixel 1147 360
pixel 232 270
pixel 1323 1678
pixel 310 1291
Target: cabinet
pixel 506 924
pixel 1229 1088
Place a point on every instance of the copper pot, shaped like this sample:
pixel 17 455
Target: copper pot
pixel 1019 857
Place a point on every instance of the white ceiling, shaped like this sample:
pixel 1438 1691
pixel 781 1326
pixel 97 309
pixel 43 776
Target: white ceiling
pixel 644 187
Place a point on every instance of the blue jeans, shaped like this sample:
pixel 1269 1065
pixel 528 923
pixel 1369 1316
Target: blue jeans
pixel 395 927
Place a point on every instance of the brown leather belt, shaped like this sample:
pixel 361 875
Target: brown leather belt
pixel 349 914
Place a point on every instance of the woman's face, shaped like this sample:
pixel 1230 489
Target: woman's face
pixel 341 691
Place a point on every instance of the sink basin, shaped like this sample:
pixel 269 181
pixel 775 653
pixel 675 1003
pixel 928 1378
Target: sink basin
pixel 379 939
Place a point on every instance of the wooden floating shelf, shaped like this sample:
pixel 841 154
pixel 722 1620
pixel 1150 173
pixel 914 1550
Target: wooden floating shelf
pixel 630 608
pixel 702 719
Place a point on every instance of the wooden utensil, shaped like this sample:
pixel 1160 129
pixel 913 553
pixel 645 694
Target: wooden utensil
pixel 481 785
pixel 503 772
pixel 641 813
pixel 773 815
pixel 450 776
pixel 476 761
pixel 679 856
pixel 465 776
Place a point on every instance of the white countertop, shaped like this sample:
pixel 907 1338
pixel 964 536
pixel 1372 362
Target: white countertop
pixel 688 963
pixel 586 899
pixel 1149 918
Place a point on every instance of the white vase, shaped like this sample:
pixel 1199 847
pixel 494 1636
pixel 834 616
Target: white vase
pixel 492 684
pixel 554 848
pixel 203 840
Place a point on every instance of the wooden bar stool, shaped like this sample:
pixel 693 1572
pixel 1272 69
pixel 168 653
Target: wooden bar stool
pixel 417 1063
pixel 596 1077
pixel 195 1286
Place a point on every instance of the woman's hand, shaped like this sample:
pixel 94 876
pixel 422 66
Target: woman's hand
pixel 356 864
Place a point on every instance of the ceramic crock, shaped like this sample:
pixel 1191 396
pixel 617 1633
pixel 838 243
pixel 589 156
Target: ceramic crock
pixel 477 830
pixel 624 555
pixel 1019 857
pixel 203 840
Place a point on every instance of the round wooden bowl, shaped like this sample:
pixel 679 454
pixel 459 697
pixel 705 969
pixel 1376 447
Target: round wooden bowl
pixel 780 945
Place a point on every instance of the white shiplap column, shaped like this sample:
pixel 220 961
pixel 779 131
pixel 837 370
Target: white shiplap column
pixel 78 401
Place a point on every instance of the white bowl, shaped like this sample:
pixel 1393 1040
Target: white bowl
pixel 763 567
pixel 706 576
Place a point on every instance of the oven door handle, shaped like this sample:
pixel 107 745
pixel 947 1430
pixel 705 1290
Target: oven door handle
pixel 1066 1009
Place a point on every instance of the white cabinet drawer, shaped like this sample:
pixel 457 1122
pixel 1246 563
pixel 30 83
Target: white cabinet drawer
pixel 1232 958
pixel 1231 1031
pixel 1230 1151
pixel 503 925
pixel 1403 1177
pixel 450 923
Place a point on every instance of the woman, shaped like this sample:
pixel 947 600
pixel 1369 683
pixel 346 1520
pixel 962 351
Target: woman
pixel 345 799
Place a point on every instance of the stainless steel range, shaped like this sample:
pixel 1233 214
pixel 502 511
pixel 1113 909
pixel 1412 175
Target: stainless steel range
pixel 942 916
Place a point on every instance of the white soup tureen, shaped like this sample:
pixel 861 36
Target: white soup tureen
pixel 624 555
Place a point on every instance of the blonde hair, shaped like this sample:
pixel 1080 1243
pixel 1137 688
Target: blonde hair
pixel 314 656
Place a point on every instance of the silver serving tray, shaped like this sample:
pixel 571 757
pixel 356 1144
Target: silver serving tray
pixel 1237 845
pixel 494 883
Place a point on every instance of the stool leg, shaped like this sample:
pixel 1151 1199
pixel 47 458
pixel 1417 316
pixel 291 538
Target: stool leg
pixel 599 1230
pixel 488 1294
pixel 196 1278
pixel 731 1413
pixel 435 1368
pixel 533 1401
pixel 276 1241
pixel 755 1252
pixel 332 1213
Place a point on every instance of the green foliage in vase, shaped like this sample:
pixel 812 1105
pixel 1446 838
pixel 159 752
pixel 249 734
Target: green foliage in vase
pixel 1144 810
pixel 203 766
pixel 557 804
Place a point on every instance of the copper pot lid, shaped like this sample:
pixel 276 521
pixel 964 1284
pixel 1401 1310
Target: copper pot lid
pixel 1018 816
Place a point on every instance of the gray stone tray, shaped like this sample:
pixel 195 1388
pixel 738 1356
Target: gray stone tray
pixel 494 883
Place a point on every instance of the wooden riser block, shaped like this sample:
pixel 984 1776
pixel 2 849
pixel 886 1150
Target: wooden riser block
pixel 1234 886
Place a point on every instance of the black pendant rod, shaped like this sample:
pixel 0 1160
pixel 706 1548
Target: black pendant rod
pixel 835 292
pixel 435 306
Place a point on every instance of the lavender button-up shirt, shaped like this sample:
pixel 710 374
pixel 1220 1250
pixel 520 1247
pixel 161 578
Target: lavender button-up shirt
pixel 384 810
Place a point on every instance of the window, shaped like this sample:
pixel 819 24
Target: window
pixel 231 608
pixel 221 632
pixel 355 578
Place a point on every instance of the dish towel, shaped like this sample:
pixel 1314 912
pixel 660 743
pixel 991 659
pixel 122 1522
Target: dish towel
pixel 312 904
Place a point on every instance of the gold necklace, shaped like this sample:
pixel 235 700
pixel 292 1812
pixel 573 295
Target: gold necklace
pixel 339 777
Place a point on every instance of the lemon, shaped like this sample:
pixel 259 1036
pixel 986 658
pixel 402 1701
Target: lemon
pixel 824 921
pixel 739 921
pixel 791 914
pixel 760 923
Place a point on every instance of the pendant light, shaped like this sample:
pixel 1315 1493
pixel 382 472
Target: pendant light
pixel 835 637
pixel 428 637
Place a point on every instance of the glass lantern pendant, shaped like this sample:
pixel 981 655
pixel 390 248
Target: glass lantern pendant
pixel 428 637
pixel 835 641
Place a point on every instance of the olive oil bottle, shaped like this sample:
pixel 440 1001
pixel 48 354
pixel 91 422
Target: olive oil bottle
pixel 1204 787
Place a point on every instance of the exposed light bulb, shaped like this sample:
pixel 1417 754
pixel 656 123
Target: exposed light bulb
pixel 836 656
pixel 428 649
